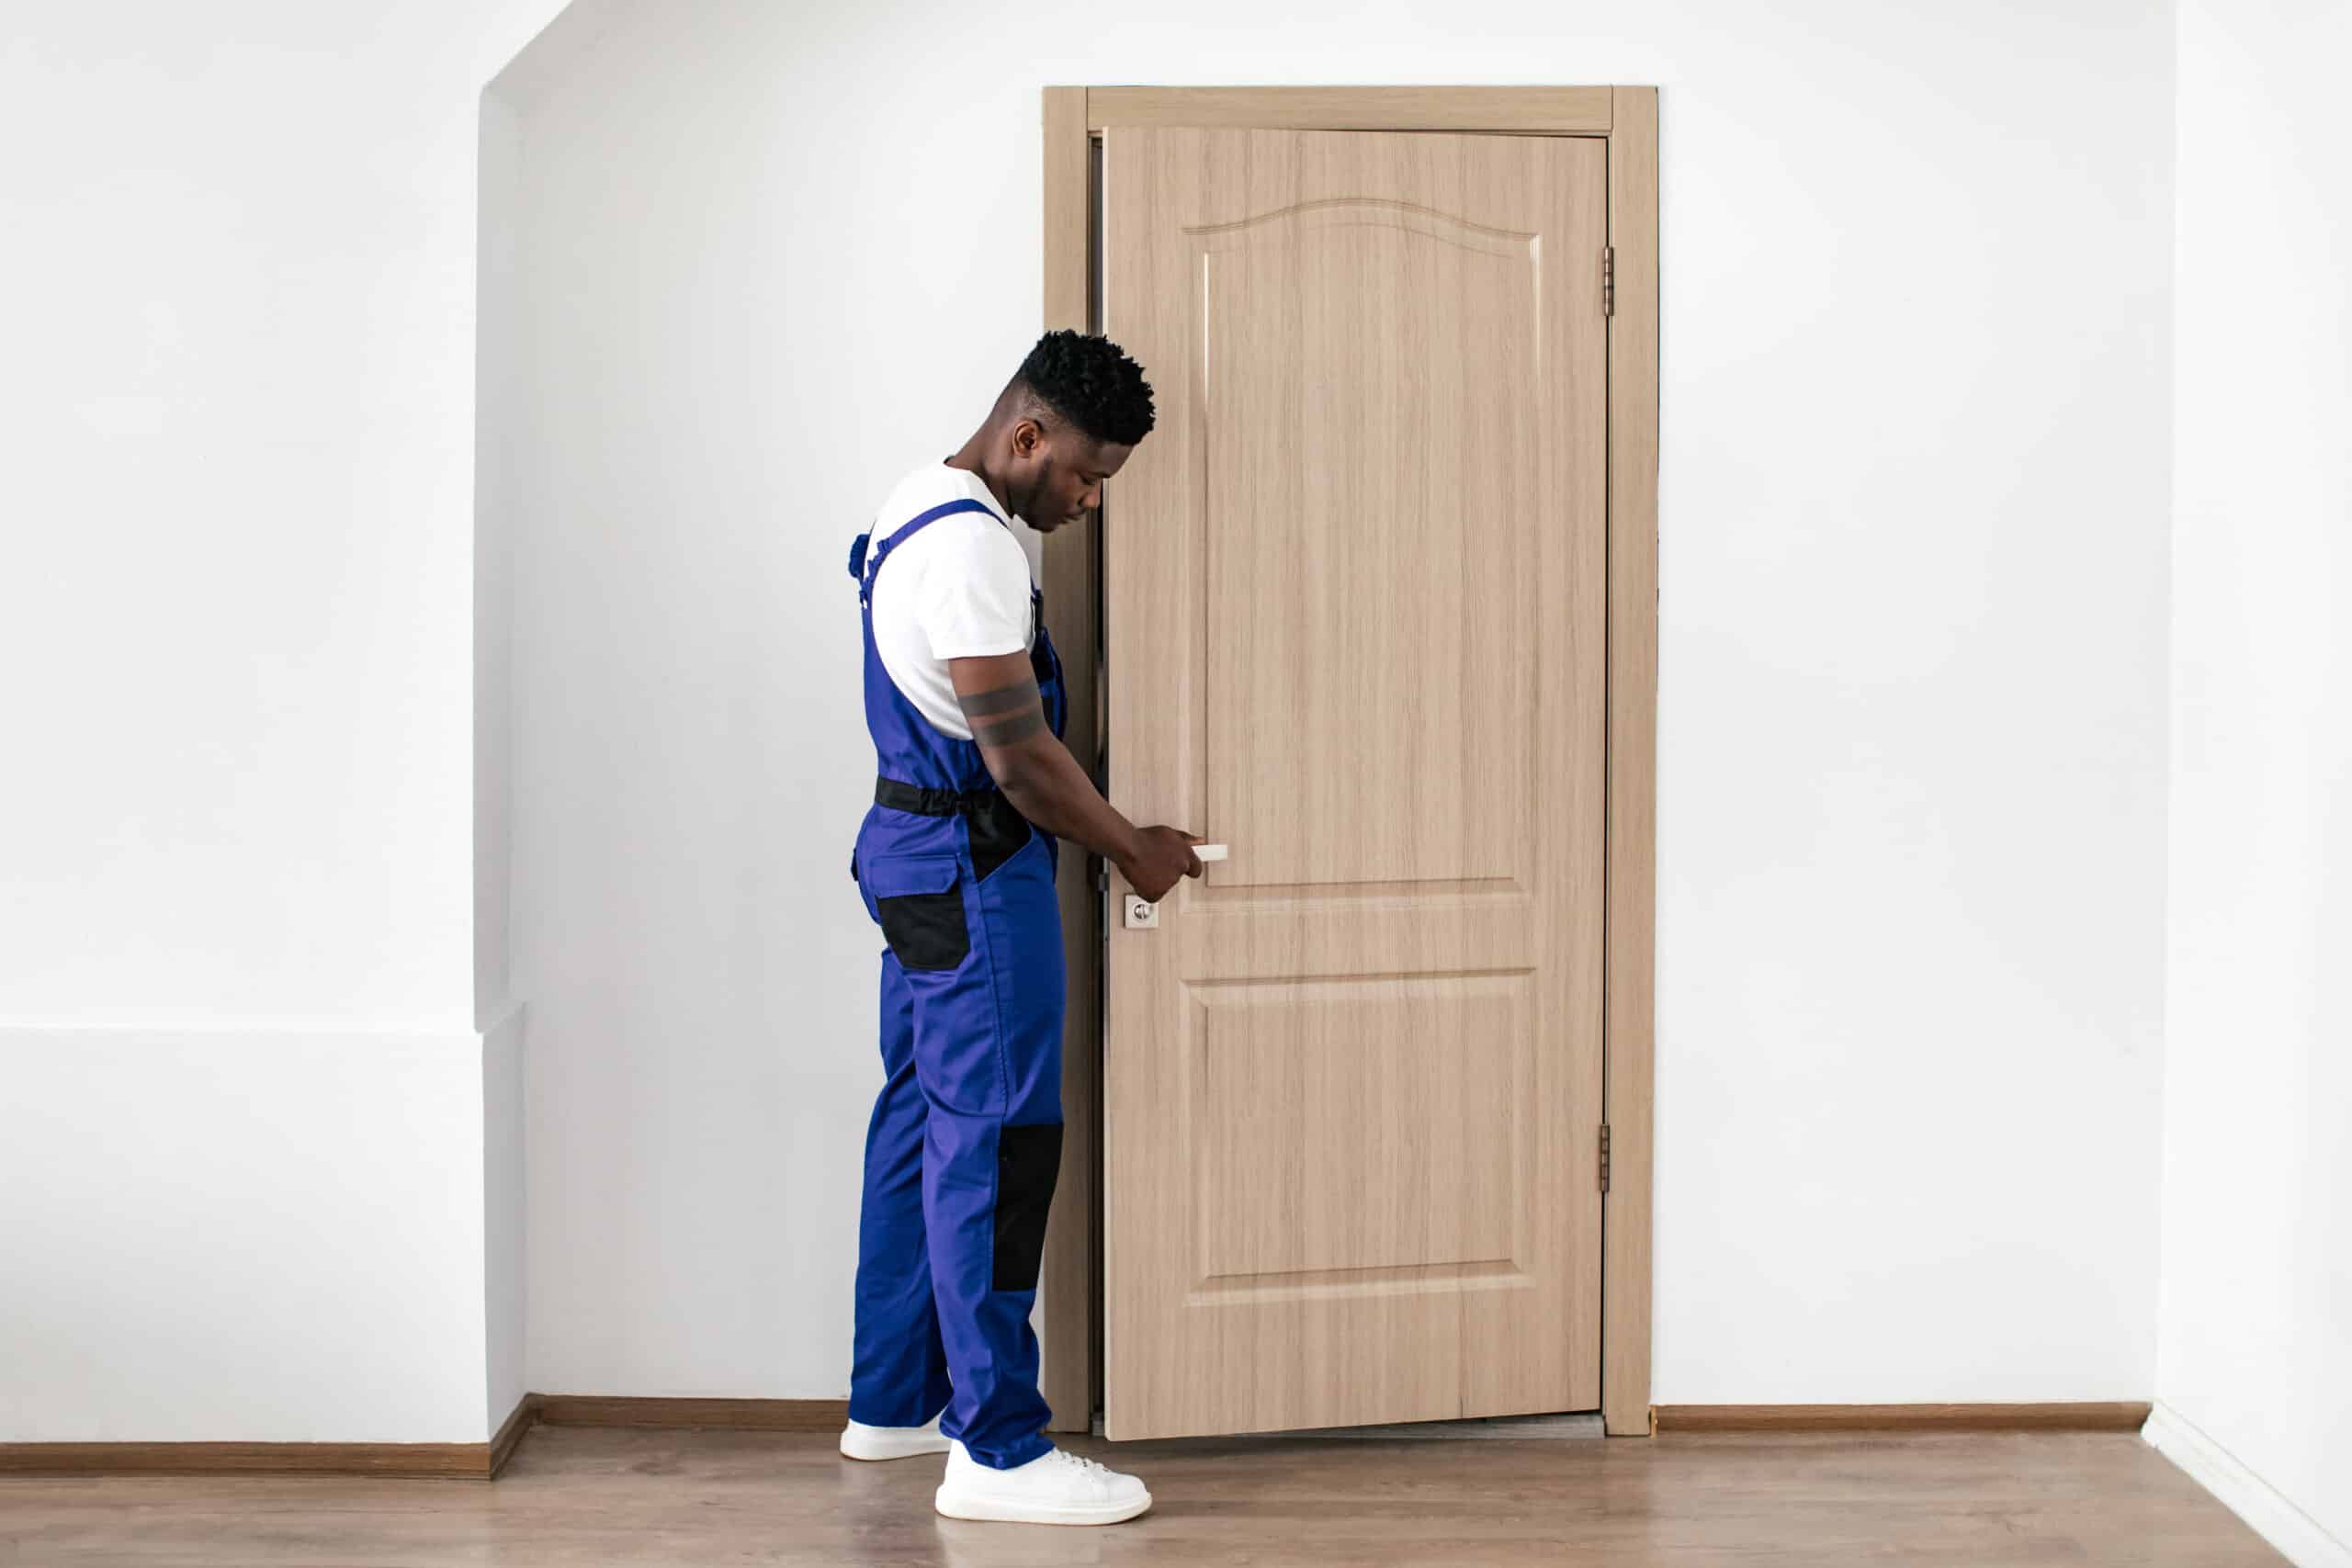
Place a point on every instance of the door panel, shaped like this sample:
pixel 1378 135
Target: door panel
pixel 1355 630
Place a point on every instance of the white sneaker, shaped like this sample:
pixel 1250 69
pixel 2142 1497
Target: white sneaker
pixel 861 1442
pixel 1055 1488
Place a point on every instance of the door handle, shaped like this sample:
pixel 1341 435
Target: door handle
pixel 1138 914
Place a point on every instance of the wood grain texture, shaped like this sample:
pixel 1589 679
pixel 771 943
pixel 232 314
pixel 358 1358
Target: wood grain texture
pixel 1629 115
pixel 1068 1282
pixel 748 1414
pixel 2062 1418
pixel 1532 110
pixel 509 1436
pixel 1632 758
pixel 459 1462
pixel 1357 610
pixel 683 1499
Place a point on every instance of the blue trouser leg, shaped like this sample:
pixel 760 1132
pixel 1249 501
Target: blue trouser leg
pixel 995 1410
pixel 898 1375
pixel 988 1056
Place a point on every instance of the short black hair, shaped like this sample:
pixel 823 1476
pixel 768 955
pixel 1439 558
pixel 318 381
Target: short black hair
pixel 1091 382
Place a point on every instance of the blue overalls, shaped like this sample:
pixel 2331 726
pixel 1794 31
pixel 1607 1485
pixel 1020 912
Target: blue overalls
pixel 965 1141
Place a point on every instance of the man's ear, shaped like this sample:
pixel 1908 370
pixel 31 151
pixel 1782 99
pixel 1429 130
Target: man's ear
pixel 1027 437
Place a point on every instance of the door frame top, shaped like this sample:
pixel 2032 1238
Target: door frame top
pixel 1527 111
pixel 1627 118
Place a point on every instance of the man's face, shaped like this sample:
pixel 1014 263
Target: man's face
pixel 1060 474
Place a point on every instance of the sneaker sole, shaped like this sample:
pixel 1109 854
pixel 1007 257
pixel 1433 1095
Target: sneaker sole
pixel 1005 1511
pixel 903 1449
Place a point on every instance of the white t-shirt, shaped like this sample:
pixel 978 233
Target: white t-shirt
pixel 959 589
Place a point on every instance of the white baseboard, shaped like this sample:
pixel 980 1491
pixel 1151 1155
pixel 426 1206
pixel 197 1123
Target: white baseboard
pixel 2273 1518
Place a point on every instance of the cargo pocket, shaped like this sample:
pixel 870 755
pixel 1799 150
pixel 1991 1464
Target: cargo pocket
pixel 921 909
pixel 1028 1163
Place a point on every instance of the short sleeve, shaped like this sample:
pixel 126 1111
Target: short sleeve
pixel 975 599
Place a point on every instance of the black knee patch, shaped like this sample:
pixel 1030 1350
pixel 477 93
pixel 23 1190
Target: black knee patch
pixel 1028 1163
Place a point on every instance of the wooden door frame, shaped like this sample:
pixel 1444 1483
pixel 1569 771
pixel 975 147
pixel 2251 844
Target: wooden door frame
pixel 1626 118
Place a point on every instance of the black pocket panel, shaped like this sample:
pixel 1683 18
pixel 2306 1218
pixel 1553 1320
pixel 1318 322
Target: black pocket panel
pixel 998 832
pixel 1028 1163
pixel 926 930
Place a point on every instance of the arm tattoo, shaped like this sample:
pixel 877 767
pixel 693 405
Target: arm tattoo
pixel 1004 699
pixel 1012 728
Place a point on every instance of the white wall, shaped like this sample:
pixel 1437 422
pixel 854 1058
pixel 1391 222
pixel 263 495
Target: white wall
pixel 243 1136
pixel 1915 357
pixel 232 1236
pixel 497 413
pixel 505 1219
pixel 1916 318
pixel 2256 1353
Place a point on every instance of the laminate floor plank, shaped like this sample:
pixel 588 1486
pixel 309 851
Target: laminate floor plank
pixel 579 1496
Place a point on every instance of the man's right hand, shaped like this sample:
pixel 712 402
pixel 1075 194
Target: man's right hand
pixel 1001 703
pixel 1162 856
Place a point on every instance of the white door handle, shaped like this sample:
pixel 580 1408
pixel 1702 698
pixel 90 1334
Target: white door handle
pixel 1139 915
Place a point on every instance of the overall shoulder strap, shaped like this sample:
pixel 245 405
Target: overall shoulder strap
pixel 867 564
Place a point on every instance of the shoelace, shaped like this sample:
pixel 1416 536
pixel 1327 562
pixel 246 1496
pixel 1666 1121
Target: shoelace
pixel 1085 1467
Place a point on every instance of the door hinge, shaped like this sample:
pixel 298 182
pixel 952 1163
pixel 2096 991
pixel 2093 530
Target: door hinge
pixel 1609 280
pixel 1604 1157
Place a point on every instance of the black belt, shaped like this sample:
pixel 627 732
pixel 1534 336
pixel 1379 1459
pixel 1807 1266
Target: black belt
pixel 932 802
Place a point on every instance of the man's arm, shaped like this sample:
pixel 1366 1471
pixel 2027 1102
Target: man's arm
pixel 1044 783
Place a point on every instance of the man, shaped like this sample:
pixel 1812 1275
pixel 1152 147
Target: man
pixel 955 861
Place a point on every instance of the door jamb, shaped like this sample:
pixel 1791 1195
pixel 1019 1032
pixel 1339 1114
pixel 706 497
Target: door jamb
pixel 1626 118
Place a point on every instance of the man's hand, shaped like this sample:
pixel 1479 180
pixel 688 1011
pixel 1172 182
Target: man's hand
pixel 1162 856
pixel 999 699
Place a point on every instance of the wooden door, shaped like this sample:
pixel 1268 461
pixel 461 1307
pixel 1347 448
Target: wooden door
pixel 1355 630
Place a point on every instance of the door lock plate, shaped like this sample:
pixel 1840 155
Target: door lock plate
pixel 1139 915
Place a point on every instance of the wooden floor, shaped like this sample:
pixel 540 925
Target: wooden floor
pixel 576 1497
